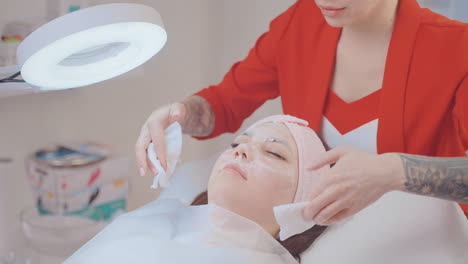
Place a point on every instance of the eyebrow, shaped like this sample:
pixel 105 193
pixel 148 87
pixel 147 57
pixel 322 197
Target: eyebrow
pixel 275 140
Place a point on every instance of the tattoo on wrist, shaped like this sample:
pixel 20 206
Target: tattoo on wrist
pixel 199 118
pixel 445 178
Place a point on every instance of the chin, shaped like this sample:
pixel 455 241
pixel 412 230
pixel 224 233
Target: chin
pixel 336 23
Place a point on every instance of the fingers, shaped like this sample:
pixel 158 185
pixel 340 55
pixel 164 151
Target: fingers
pixel 317 204
pixel 325 216
pixel 327 209
pixel 151 166
pixel 159 141
pixel 140 150
pixel 339 217
pixel 329 157
pixel 153 131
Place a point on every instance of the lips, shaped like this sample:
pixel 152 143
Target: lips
pixel 236 168
pixel 331 8
pixel 331 11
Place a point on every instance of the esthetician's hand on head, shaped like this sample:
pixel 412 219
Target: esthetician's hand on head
pixel 153 131
pixel 258 172
pixel 357 180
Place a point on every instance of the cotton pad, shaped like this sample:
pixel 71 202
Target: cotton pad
pixel 173 148
pixel 290 219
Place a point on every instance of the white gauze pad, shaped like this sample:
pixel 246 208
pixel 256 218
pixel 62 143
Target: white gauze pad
pixel 173 148
pixel 290 219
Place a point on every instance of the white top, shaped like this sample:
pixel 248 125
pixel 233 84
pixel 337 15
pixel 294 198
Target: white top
pixel 363 138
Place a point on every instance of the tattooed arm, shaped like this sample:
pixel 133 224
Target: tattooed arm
pixel 199 118
pixel 445 178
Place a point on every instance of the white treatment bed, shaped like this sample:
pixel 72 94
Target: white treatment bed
pixel 399 228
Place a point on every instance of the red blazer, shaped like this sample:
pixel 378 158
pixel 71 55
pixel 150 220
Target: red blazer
pixel 424 98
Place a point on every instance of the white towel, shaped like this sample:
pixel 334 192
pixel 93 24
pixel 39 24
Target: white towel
pixel 173 148
pixel 290 219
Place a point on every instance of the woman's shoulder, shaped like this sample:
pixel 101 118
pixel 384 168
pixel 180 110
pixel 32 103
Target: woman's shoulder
pixel 430 18
pixel 450 35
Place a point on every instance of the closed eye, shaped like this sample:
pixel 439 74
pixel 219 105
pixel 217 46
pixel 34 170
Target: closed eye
pixel 235 145
pixel 276 155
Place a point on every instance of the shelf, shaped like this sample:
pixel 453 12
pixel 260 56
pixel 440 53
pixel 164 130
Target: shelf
pixel 13 89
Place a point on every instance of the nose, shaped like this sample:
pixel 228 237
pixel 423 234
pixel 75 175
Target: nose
pixel 243 152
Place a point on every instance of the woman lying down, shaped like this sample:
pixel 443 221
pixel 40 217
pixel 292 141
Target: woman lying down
pixel 264 168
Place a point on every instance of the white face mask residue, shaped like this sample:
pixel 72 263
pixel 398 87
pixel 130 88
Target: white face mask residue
pixel 258 172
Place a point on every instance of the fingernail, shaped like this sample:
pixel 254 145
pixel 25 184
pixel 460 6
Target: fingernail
pixel 142 172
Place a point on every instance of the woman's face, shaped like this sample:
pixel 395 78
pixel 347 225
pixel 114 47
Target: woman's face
pixel 340 13
pixel 258 172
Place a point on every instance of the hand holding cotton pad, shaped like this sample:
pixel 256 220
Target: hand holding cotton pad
pixel 173 147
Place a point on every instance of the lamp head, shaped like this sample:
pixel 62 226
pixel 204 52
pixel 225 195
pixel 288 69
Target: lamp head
pixel 91 45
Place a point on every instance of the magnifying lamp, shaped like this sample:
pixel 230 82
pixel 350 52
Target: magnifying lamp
pixel 89 46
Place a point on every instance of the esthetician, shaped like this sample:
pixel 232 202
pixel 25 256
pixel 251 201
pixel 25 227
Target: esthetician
pixel 383 82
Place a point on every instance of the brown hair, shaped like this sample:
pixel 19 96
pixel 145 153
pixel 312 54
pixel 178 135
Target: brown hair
pixel 295 244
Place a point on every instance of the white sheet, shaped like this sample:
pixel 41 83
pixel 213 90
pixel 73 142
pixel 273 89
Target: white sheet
pixel 399 228
pixel 167 231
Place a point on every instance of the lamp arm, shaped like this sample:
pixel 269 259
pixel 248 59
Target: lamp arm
pixel 11 79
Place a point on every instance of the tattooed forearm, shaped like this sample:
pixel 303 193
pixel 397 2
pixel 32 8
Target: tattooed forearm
pixel 445 178
pixel 199 118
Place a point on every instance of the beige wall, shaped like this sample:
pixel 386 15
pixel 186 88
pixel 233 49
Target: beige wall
pixel 205 38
